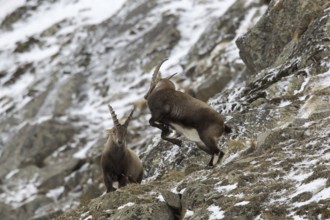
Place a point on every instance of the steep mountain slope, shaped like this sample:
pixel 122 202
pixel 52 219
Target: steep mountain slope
pixel 63 61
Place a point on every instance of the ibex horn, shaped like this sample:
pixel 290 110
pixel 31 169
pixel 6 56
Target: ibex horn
pixel 114 116
pixel 171 76
pixel 156 73
pixel 129 118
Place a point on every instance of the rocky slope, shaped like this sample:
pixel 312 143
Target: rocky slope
pixel 265 66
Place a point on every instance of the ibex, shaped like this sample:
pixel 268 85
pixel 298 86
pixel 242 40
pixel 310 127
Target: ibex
pixel 120 165
pixel 189 116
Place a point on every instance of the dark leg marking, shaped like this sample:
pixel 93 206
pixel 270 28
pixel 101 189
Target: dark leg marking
pixel 122 181
pixel 175 141
pixel 108 182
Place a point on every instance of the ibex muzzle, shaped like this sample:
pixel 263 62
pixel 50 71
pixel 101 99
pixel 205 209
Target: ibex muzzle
pixel 191 117
pixel 119 163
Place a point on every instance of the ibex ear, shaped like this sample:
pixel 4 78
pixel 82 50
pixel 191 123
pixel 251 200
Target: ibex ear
pixel 129 118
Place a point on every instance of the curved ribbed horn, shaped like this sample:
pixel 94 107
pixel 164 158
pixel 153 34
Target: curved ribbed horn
pixel 129 118
pixel 114 116
pixel 156 74
pixel 171 76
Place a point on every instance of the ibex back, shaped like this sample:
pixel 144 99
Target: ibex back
pixel 189 116
pixel 119 163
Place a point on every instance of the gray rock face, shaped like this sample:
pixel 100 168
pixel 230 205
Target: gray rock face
pixel 282 25
pixel 216 44
pixel 34 144
pixel 272 88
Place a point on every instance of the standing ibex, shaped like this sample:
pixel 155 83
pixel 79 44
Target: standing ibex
pixel 119 163
pixel 191 117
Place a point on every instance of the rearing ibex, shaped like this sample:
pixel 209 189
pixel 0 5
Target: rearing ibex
pixel 119 163
pixel 191 117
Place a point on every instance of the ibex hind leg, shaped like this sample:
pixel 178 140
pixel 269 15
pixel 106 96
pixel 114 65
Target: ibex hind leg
pixel 139 180
pixel 209 138
pixel 216 158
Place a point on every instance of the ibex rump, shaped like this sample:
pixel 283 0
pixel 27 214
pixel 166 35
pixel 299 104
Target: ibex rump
pixel 119 163
pixel 191 117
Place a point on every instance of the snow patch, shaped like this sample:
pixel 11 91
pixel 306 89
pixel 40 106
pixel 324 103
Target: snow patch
pixel 126 205
pixel 230 158
pixel 182 191
pixel 302 87
pixel 324 194
pixel 188 213
pixel 160 198
pixel 79 13
pixel 284 103
pixel 227 188
pixel 38 54
pixel 86 216
pixel 193 16
pixel 243 203
pixel 7 7
pixel 24 191
pixel 317 187
pixel 322 81
pixel 299 176
pixel 81 154
pixel 55 193
pixel 11 174
pixel 216 212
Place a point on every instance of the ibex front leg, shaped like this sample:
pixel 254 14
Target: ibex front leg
pixel 210 137
pixel 164 135
pixel 165 132
pixel 108 181
pixel 159 125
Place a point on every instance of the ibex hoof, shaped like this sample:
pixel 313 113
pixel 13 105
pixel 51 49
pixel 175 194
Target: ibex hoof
pixel 215 159
pixel 209 167
pixel 179 143
pixel 166 132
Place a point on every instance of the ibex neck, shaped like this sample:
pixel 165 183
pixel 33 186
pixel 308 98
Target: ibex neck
pixel 114 147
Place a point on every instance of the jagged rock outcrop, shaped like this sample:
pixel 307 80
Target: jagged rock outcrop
pixel 273 89
pixel 277 32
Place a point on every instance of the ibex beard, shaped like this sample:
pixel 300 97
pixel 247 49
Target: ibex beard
pixel 189 116
pixel 120 165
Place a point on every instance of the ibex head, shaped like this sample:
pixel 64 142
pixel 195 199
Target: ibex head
pixel 119 131
pixel 158 81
